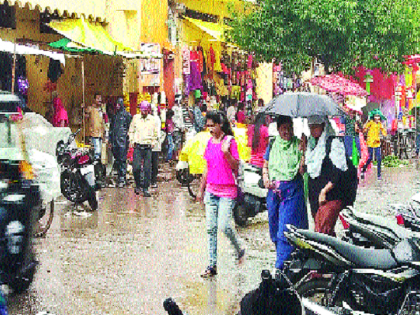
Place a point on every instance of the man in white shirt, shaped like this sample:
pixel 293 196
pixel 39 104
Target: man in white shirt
pixel 143 136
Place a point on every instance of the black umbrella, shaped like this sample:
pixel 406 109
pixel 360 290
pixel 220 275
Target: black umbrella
pixel 303 104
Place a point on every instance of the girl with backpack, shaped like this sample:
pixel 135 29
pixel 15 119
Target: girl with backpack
pixel 219 184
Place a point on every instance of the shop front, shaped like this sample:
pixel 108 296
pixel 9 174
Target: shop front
pixel 213 70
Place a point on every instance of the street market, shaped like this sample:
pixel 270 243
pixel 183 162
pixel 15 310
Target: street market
pixel 209 157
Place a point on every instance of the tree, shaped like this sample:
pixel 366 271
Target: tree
pixel 341 34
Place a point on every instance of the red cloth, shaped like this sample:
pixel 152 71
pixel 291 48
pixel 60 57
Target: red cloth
pixel 241 117
pixel 257 155
pixel 326 217
pixel 60 113
pixel 364 151
pixel 200 61
pixel 212 56
pixel 382 87
pixel 130 154
pixel 194 55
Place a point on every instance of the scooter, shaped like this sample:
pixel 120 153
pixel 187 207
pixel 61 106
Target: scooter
pixel 252 194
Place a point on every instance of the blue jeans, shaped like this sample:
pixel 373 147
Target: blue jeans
pixel 171 147
pixel 97 147
pixel 378 159
pixel 219 215
pixel 348 144
pixel 287 208
pixel 418 144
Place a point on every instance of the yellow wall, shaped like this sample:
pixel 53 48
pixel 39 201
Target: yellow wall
pixel 220 8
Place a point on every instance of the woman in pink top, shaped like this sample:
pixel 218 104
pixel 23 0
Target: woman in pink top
pixel 220 187
pixel 258 140
pixel 60 117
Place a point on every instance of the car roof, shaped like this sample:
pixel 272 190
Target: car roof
pixel 8 103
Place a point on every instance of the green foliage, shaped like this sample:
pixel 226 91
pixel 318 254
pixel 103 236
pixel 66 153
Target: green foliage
pixel 342 34
pixel 392 161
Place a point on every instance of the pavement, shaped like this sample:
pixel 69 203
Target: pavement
pixel 134 252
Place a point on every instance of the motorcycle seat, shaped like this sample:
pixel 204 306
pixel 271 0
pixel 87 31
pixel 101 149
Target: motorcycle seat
pixel 361 257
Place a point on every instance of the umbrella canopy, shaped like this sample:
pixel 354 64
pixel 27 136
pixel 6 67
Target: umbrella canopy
pixel 335 83
pixel 303 105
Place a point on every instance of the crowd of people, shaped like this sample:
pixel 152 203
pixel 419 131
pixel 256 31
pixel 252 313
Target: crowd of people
pixel 285 160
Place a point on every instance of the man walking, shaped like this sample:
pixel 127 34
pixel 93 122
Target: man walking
pixel 118 138
pixel 96 125
pixel 142 135
pixel 157 146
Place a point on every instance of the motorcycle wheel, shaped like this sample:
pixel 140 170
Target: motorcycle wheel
pixel 240 215
pixel 71 188
pixel 45 219
pixel 22 283
pixel 315 290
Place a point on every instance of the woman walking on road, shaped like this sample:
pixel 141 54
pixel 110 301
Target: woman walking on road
pixel 220 188
pixel 326 162
pixel 282 175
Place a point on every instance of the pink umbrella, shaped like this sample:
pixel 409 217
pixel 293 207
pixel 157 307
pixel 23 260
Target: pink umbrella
pixel 337 84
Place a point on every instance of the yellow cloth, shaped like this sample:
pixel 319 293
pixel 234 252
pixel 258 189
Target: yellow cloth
pixel 88 34
pixel 143 130
pixel 193 150
pixel 408 74
pixel 374 129
pixel 217 65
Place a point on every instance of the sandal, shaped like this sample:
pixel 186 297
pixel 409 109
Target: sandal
pixel 210 272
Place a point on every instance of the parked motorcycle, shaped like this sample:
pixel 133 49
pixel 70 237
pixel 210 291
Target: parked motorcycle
pixel 80 173
pixel 252 194
pixel 339 274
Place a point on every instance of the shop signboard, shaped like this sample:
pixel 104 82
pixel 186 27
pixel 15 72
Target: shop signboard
pixel 150 68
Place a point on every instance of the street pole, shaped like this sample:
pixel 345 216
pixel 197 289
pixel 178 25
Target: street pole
pixel 84 103
pixel 14 69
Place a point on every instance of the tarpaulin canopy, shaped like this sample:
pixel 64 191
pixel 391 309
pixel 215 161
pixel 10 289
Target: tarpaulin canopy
pixel 193 151
pixel 84 36
pixel 66 44
pixel 213 29
pixel 337 84
pixel 26 50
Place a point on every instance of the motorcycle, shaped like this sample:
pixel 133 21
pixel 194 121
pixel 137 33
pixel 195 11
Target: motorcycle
pixel 339 274
pixel 375 231
pixel 252 194
pixel 80 172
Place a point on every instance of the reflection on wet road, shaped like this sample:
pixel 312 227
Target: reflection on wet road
pixel 132 253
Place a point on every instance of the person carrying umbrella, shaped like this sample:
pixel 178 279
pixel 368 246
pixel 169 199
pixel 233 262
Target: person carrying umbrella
pixel 374 128
pixel 282 175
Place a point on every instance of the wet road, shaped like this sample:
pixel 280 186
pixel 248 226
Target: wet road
pixel 132 253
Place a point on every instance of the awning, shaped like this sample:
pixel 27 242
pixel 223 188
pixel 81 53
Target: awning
pixel 88 34
pixel 26 50
pixel 94 10
pixel 83 36
pixel 213 29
